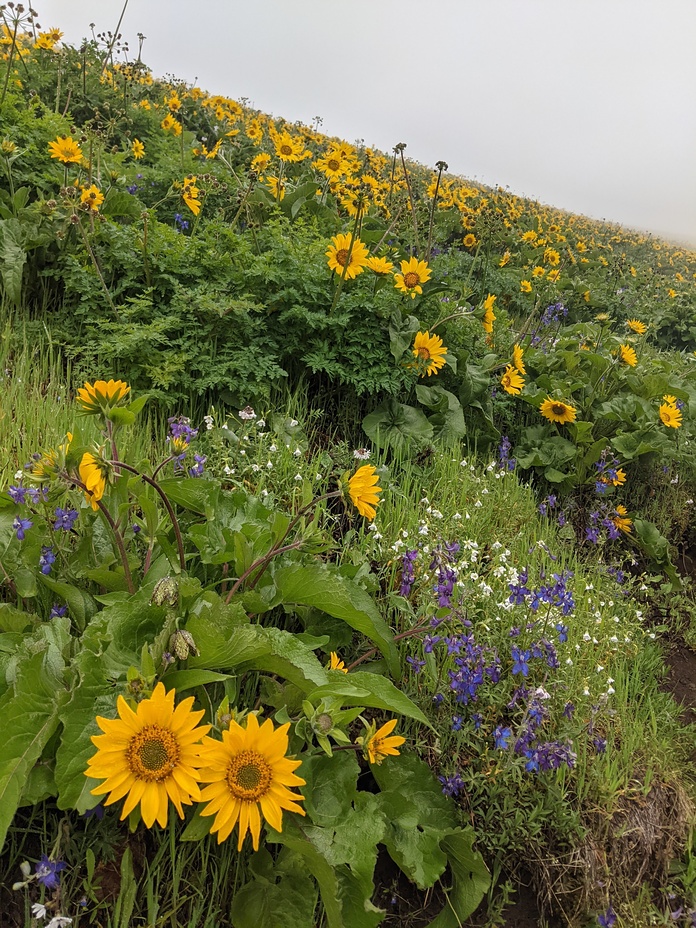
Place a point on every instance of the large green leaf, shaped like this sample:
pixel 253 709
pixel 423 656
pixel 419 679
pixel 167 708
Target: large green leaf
pixel 12 259
pixel 325 589
pixel 373 690
pixel 395 425
pixel 30 715
pixel 470 879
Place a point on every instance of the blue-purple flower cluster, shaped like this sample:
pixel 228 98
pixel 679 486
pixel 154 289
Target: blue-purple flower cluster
pixel 607 468
pixel 552 594
pixel 504 459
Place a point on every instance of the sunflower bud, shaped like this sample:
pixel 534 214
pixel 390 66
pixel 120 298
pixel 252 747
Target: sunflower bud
pixel 181 644
pixel 166 592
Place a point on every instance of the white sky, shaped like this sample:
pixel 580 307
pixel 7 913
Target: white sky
pixel 588 105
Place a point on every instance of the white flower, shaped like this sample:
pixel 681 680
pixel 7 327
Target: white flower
pixel 225 426
pixel 463 463
pixel 38 910
pixel 478 504
pixel 569 661
pixel 269 465
pixel 208 422
pixel 292 423
pixel 457 517
pixel 541 693
pixel 436 514
pixel 423 529
pixel 19 474
pixel 60 921
pixel 377 536
pixel 586 637
pixel 247 414
pixel 600 668
pixel 496 546
pixel 297 452
pixel 610 690
pixel 264 492
pixel 273 448
pixel 256 468
pixel 261 424
pixel 228 470
pixel 586 691
pixel 362 454
pixel 298 477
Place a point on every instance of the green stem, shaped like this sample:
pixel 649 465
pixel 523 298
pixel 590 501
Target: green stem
pixel 167 505
pixel 97 269
pixel 9 63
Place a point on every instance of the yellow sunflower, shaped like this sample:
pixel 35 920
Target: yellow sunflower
pixel 137 149
pixel 65 150
pixel 101 395
pixel 512 381
pixel 488 314
pixel 364 490
pixel 288 148
pixel 430 352
pixel 413 274
pixel 668 398
pixel 92 198
pixel 670 416
pixel 377 744
pixel 338 255
pixel 190 194
pixel 558 411
pixel 248 776
pixel 470 240
pixel 336 663
pixel 635 325
pixel 380 265
pixel 517 355
pixel 150 756
pixel 525 286
pixel 276 185
pixel 93 473
pixel 504 260
pixel 628 355
pixel 621 520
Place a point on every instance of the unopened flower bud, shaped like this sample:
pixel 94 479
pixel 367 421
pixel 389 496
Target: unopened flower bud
pixel 166 592
pixel 181 644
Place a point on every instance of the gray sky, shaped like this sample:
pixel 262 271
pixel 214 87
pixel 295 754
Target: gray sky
pixel 584 104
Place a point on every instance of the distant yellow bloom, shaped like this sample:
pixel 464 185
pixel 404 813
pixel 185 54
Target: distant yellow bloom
pixel 668 398
pixel 430 352
pixel 671 293
pixel 336 663
pixel 260 162
pixel 489 316
pixel 670 416
pixel 558 411
pixel 288 148
pixel 512 381
pixel 65 150
pixel 332 164
pixel 170 124
pixel 551 256
pixel 504 260
pixel 190 193
pixel 276 186
pixel 640 328
pixel 586 296
pixel 602 317
pixel 254 131
pixel 628 355
pixel 529 236
pixel 342 254
pixel 380 265
pixel 621 520
pixel 525 286
pixel 413 274
pixel 517 355
pixel 137 149
pixel 92 198
pixel 379 744
pixel 553 275
pixel 538 272
pixel 470 240
pixel 364 490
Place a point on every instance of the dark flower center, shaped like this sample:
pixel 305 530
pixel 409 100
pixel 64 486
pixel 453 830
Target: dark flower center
pixel 411 279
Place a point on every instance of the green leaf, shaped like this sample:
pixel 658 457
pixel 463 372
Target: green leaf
pixel 373 690
pixel 81 605
pixel 12 259
pixel 193 493
pixel 331 786
pixel 394 425
pixel 319 586
pixel 30 716
pixel 288 903
pixel 470 879
pixel 182 680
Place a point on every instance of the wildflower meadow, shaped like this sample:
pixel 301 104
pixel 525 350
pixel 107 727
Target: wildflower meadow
pixel 347 534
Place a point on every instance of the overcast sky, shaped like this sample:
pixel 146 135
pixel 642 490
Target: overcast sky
pixel 588 105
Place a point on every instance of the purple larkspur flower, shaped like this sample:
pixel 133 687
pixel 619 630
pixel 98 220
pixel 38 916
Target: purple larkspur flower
pixel 47 872
pixel 46 560
pixel 21 526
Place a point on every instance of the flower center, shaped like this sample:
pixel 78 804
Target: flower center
pixel 342 256
pixel 333 165
pixel 558 409
pixel 285 150
pixel 249 776
pixel 424 353
pixel 153 753
pixel 411 279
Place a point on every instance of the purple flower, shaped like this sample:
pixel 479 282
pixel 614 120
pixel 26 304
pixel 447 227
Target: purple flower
pixel 17 495
pixel 65 519
pixel 21 526
pixel 520 660
pixel 407 571
pixel 46 560
pixel 608 920
pixel 58 611
pixel 502 736
pixel 562 632
pixel 416 665
pixel 569 710
pixel 452 786
pixel 457 722
pixel 592 534
pixel 180 427
pixel 198 467
pixel 429 642
pixel 47 872
pixel 600 744
pixel 477 719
